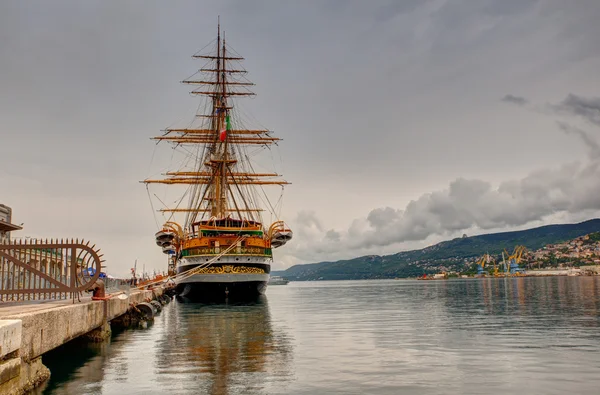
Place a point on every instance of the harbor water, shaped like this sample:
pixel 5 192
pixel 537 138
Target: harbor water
pixel 468 336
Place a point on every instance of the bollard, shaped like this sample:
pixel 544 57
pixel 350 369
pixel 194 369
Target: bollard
pixel 99 293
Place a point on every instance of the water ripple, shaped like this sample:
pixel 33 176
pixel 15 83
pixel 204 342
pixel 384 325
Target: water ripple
pixel 494 336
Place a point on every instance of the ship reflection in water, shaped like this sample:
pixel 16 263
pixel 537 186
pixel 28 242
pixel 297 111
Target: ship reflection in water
pixel 190 349
pixel 222 349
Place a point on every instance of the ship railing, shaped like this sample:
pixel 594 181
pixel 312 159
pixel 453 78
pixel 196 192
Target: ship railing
pixel 209 233
pixel 236 251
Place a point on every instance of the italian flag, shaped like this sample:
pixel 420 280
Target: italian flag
pixel 226 127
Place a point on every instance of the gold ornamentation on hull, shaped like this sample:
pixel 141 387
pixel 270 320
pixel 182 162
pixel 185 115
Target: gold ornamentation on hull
pixel 230 269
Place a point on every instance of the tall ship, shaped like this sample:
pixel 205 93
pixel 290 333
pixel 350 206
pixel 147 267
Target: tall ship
pixel 214 234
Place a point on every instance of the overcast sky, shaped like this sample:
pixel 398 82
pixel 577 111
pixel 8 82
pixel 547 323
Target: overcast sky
pixel 404 122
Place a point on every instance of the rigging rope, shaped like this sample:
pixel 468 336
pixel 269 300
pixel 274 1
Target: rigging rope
pixel 152 207
pixel 190 272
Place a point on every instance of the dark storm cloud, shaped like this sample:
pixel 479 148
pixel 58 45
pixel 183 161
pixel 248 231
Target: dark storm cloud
pixel 515 100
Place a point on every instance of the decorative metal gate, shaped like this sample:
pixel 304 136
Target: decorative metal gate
pixel 38 269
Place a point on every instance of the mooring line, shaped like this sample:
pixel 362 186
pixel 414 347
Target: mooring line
pixel 190 272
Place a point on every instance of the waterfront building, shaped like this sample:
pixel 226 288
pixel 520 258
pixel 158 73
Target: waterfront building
pixel 6 225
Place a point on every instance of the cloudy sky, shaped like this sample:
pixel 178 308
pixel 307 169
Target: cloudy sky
pixel 404 122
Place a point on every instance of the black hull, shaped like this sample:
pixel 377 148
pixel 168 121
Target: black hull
pixel 220 292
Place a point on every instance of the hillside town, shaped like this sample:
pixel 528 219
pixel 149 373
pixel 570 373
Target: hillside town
pixel 582 250
pixel 579 256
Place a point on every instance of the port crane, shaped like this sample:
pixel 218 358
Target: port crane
pixel 511 265
pixel 486 259
pixel 480 265
pixel 495 266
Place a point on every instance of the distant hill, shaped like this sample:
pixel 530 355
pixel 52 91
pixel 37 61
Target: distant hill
pixel 448 255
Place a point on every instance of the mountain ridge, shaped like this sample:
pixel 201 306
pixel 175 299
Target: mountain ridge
pixel 449 255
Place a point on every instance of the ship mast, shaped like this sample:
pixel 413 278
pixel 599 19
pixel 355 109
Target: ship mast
pixel 221 180
pixel 219 106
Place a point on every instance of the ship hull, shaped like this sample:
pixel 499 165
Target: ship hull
pixel 221 291
pixel 228 279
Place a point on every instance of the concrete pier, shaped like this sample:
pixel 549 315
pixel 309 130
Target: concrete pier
pixel 27 331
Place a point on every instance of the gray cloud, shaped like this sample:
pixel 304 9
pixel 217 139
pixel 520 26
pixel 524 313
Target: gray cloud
pixel 333 235
pixel 515 100
pixel 469 204
pixel 509 7
pixel 472 204
pixel 395 8
pixel 309 219
pixel 586 108
pixel 380 217
pixel 588 140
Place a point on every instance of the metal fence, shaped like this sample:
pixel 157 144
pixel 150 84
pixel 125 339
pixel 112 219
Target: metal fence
pixel 50 269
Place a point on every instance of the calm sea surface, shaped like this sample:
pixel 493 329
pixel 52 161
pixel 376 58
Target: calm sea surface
pixel 477 336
